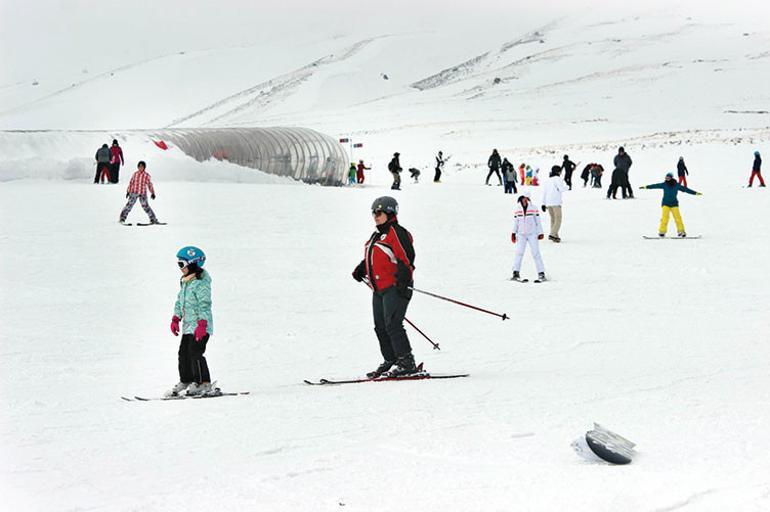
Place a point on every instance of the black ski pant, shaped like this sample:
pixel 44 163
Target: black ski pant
pixel 510 187
pixel 496 171
pixel 568 179
pixel 437 176
pixel 100 169
pixel 625 186
pixel 114 172
pixel 192 364
pixel 389 309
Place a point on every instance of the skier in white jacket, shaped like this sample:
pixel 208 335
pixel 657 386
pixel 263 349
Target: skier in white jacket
pixel 554 186
pixel 527 230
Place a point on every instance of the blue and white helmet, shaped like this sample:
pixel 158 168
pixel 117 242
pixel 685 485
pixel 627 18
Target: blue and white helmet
pixel 190 255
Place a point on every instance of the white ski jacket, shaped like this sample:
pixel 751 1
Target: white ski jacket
pixel 552 190
pixel 527 222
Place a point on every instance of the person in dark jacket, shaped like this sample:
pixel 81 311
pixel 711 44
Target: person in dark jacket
pixel 586 174
pixel 509 177
pixel 670 204
pixel 102 157
pixel 389 265
pixel 439 167
pixel 568 166
pixel 681 171
pixel 494 163
pixel 116 160
pixel 623 162
pixel 395 169
pixel 616 182
pixel 756 170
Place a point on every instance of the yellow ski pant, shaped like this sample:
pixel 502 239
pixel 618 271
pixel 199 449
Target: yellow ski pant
pixel 667 211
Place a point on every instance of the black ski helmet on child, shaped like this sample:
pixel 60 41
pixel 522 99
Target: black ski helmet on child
pixel 385 204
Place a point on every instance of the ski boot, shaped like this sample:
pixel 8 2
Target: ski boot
pixel 540 277
pixel 516 276
pixel 404 366
pixel 662 235
pixel 383 368
pixel 177 389
pixel 681 234
pixel 202 389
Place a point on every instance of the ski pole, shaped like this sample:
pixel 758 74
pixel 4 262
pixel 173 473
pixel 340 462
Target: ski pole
pixel 435 345
pixel 503 315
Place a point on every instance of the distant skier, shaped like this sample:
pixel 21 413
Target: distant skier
pixel 439 167
pixel 756 170
pixel 193 310
pixel 389 265
pixel 137 189
pixel 493 163
pixel 395 169
pixel 360 171
pixel 527 230
pixel 523 174
pixel 509 177
pixel 670 204
pixel 102 157
pixel 552 191
pixel 116 160
pixel 352 171
pixel 623 163
pixel 568 166
pixel 414 173
pixel 681 171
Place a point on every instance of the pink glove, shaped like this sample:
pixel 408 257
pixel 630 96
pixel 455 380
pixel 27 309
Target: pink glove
pixel 175 325
pixel 200 331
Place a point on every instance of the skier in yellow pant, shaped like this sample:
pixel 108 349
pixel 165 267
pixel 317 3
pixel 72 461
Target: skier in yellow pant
pixel 670 204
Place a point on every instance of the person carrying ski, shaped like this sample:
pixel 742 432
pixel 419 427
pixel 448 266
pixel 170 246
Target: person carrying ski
pixel 681 171
pixel 395 169
pixel 623 163
pixel 527 230
pixel 137 189
pixel 389 266
pixel 192 317
pixel 552 191
pixel 439 167
pixel 568 166
pixel 102 164
pixel 116 160
pixel 509 177
pixel 360 171
pixel 352 174
pixel 756 170
pixel 670 204
pixel 494 166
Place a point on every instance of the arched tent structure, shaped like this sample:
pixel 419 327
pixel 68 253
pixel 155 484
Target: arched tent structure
pixel 299 153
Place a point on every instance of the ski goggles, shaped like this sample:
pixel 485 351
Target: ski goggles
pixel 182 263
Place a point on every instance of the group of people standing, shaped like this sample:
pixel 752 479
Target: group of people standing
pixel 108 162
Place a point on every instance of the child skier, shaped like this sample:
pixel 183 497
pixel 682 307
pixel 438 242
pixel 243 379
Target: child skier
pixel 360 171
pixel 137 189
pixel 193 310
pixel 670 204
pixel 527 229
pixel 352 174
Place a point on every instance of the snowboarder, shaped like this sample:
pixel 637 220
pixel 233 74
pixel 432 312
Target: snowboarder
pixel 389 265
pixel 568 166
pixel 670 204
pixel 439 167
pixel 623 163
pixel 527 229
pixel 193 310
pixel 509 177
pixel 360 171
pixel 116 160
pixel 137 189
pixel 102 164
pixel 395 169
pixel 554 186
pixel 756 170
pixel 681 171
pixel 494 166
pixel 352 171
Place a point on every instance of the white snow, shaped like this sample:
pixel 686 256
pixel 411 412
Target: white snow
pixel 662 341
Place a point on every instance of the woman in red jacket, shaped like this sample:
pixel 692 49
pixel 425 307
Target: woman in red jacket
pixel 389 264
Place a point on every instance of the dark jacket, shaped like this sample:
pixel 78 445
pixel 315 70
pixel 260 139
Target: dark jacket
pixel 494 161
pixel 670 190
pixel 394 165
pixel 757 163
pixel 681 169
pixel 103 155
pixel 623 162
pixel 568 166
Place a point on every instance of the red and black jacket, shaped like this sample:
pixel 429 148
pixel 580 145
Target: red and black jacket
pixel 389 257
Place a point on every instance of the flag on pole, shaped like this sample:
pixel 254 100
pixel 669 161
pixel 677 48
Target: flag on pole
pixel 342 141
pixel 358 145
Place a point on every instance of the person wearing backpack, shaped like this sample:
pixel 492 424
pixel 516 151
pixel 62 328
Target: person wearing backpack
pixel 395 169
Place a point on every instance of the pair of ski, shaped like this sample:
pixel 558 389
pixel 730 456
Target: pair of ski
pixel 214 393
pixel 420 375
pixel 525 280
pixel 671 237
pixel 144 223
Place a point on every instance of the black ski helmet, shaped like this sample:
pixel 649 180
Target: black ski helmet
pixel 385 204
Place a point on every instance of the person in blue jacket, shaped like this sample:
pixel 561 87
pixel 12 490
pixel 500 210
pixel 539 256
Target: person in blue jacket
pixel 670 204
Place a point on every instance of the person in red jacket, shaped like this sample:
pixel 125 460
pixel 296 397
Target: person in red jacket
pixel 389 264
pixel 116 160
pixel 360 171
pixel 137 189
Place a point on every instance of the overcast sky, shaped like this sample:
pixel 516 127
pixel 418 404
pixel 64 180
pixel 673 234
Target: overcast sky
pixel 52 37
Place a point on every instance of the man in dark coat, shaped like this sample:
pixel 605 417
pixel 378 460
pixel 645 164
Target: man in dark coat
pixel 494 163
pixel 568 166
pixel 623 163
pixel 395 169
pixel 102 157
